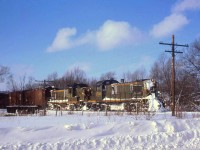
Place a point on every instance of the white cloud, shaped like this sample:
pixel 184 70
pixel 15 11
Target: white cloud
pixel 169 25
pixel 185 5
pixel 176 20
pixel 113 34
pixel 110 35
pixel 62 40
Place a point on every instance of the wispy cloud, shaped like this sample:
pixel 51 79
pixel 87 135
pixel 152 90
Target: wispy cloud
pixel 176 20
pixel 110 35
pixel 185 5
pixel 169 25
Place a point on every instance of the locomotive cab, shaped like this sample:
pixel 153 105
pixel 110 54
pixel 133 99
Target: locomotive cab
pixel 101 88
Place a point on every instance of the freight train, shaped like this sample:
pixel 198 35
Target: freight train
pixel 107 95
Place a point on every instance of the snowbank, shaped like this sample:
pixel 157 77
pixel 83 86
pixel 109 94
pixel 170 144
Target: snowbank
pixel 94 130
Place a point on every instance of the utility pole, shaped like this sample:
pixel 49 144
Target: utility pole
pixel 173 70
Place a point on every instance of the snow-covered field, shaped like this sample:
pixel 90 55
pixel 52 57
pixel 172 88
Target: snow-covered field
pixel 95 130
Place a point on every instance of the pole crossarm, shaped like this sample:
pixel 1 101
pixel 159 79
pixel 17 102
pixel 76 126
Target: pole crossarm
pixel 174 51
pixel 185 45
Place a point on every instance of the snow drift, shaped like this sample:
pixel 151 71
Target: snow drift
pixel 94 130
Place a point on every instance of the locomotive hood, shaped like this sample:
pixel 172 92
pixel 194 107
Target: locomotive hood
pixel 106 82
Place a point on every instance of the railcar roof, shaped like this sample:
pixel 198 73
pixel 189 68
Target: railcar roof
pixel 75 85
pixel 106 82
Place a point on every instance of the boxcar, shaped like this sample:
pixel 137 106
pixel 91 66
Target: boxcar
pixel 28 100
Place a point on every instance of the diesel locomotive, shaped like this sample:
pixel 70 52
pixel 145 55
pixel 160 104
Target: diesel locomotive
pixel 108 95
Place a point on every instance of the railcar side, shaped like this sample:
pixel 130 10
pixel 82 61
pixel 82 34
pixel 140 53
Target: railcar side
pixel 28 100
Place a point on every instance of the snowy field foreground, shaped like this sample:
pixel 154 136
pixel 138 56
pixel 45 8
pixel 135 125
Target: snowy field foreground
pixel 94 130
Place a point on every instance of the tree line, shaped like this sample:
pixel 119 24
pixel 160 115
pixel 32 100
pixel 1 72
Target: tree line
pixel 187 82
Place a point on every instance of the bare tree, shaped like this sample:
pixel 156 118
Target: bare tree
pixel 79 75
pixel 53 76
pixel 22 82
pixel 4 71
pixel 31 83
pixel 53 80
pixel 73 76
pixel 161 71
pixel 191 58
pixel 12 84
pixel 188 76
pixel 136 75
pixel 139 74
pixel 108 75
pixel 92 82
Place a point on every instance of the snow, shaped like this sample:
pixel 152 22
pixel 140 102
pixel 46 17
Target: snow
pixel 117 106
pixel 100 130
pixel 154 103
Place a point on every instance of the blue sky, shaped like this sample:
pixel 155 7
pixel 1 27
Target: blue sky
pixel 38 37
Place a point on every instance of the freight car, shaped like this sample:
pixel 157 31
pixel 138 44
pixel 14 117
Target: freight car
pixel 28 100
pixel 109 94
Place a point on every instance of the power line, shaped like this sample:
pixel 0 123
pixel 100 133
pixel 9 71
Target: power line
pixel 173 69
